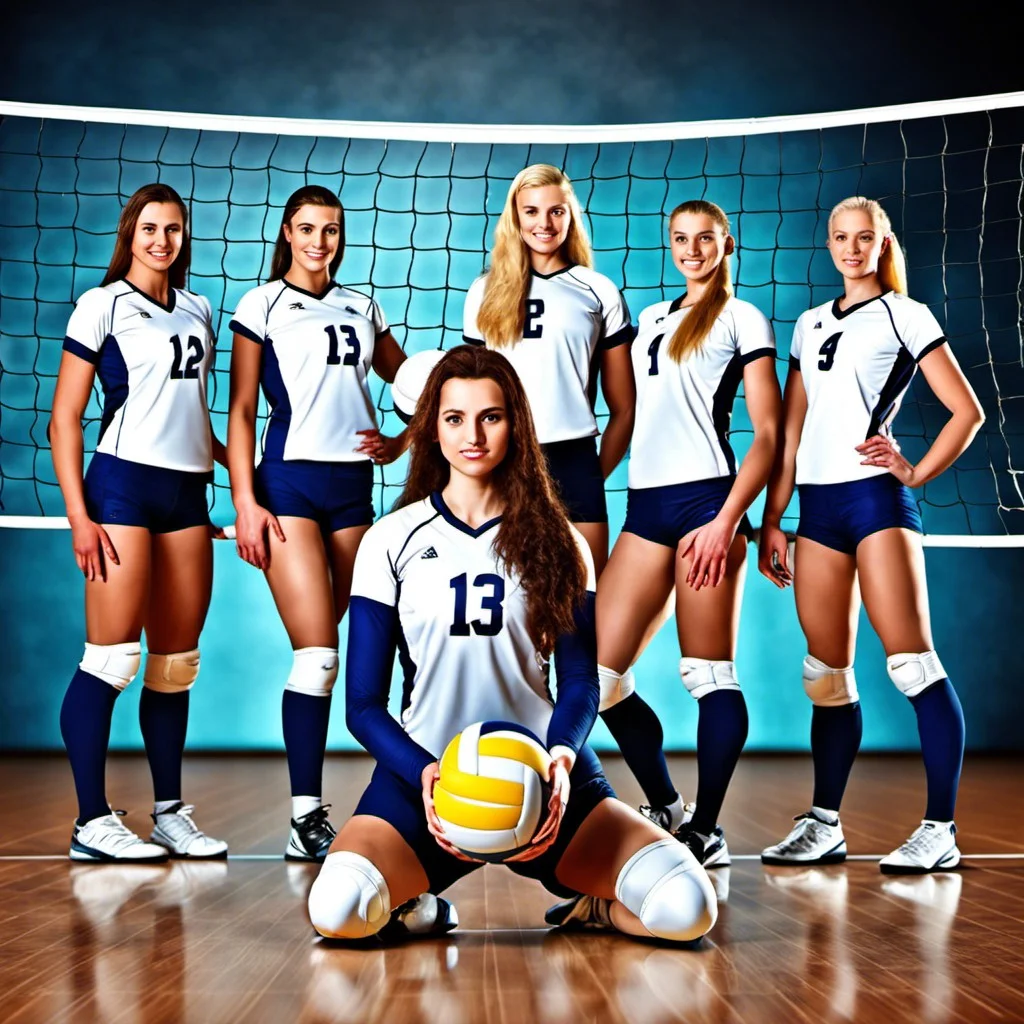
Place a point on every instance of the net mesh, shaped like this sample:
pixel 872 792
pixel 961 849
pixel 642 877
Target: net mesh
pixel 420 217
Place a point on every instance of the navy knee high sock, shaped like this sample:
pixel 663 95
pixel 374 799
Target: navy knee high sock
pixel 835 739
pixel 163 718
pixel 940 724
pixel 637 730
pixel 721 732
pixel 85 727
pixel 305 720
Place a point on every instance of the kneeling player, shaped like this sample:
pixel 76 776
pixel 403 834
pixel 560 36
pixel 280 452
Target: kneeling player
pixel 476 580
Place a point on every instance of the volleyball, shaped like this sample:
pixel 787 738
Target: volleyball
pixel 493 792
pixel 410 380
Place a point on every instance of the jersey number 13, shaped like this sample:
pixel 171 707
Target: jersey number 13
pixel 489 602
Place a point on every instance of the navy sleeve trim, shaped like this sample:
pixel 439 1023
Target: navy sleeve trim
pixel 758 353
pixel 76 348
pixel 794 364
pixel 473 341
pixel 931 346
pixel 245 332
pixel 578 689
pixel 621 337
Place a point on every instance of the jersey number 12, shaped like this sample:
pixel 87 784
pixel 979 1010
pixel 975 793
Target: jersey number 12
pixel 190 371
pixel 488 602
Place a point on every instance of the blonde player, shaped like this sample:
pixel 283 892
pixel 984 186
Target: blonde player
pixel 139 522
pixel 310 344
pixel 476 581
pixel 851 362
pixel 562 325
pixel 686 522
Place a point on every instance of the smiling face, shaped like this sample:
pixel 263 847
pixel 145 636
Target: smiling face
pixel 314 234
pixel 698 244
pixel 544 218
pixel 158 236
pixel 855 242
pixel 473 425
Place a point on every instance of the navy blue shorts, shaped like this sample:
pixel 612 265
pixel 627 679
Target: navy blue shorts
pixel 123 493
pixel 840 516
pixel 666 514
pixel 576 469
pixel 336 495
pixel 390 797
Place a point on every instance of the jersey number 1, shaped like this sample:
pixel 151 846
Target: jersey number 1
pixel 652 351
pixel 334 352
pixel 489 602
pixel 191 369
pixel 828 351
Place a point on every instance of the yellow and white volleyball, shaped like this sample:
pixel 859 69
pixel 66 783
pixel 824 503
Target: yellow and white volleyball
pixel 410 380
pixel 493 792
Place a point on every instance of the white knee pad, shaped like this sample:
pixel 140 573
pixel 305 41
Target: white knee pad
pixel 668 891
pixel 171 673
pixel 615 686
pixel 116 664
pixel 702 677
pixel 349 899
pixel 829 687
pixel 314 671
pixel 914 673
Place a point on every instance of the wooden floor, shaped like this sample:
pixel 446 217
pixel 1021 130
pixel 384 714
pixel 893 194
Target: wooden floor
pixel 230 941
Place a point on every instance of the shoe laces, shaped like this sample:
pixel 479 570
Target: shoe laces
pixel 659 815
pixel 315 827
pixel 115 833
pixel 925 838
pixel 178 823
pixel 806 834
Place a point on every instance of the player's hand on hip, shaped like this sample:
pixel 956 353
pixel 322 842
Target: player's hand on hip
pixel 773 556
pixel 885 452
pixel 379 447
pixel 251 526
pixel 92 547
pixel 709 546
pixel 428 779
pixel 558 776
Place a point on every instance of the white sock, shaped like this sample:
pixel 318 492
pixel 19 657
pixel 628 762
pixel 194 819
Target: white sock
pixel 304 804
pixel 675 811
pixel 163 806
pixel 832 817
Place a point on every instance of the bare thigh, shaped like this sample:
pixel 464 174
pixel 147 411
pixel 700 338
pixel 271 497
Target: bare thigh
pixel 383 846
pixel 596 536
pixel 343 547
pixel 631 595
pixel 179 592
pixel 300 580
pixel 708 619
pixel 115 608
pixel 895 591
pixel 827 601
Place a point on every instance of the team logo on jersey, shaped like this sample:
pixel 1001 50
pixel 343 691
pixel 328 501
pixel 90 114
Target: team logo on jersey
pixel 349 309
pixel 296 305
pixel 429 553
pixel 145 315
pixel 817 326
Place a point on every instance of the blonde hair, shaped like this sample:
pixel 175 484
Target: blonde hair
pixel 892 267
pixel 502 313
pixel 696 326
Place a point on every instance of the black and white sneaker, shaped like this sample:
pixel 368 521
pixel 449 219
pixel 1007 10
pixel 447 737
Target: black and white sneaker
pixel 662 816
pixel 932 847
pixel 812 840
pixel 106 839
pixel 581 913
pixel 424 916
pixel 711 851
pixel 182 837
pixel 311 836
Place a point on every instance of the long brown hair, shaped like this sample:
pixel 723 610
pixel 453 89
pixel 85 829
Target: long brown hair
pixel 892 267
pixel 502 312
pixel 534 539
pixel 697 324
pixel 308 195
pixel 121 260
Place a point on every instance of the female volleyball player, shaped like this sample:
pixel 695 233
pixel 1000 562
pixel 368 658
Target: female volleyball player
pixel 557 320
pixel 301 514
pixel 851 362
pixel 686 518
pixel 139 523
pixel 477 579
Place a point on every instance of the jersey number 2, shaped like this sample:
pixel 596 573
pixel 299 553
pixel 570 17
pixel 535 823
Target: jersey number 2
pixel 828 351
pixel 488 602
pixel 191 369
pixel 334 352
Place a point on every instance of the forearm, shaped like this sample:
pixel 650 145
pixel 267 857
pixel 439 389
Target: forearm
pixel 240 451
pixel 578 690
pixel 67 447
pixel 615 439
pixel 753 474
pixel 951 443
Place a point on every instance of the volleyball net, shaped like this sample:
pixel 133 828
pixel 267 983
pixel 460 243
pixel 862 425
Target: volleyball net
pixel 421 202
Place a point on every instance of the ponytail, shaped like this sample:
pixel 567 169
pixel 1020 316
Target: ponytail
pixel 892 267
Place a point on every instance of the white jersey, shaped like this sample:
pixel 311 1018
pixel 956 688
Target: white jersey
pixel 464 645
pixel 152 362
pixel 683 409
pixel 317 352
pixel 571 317
pixel 856 365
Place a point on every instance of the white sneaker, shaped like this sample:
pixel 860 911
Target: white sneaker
pixel 176 830
pixel 581 912
pixel 811 841
pixel 107 839
pixel 662 816
pixel 932 847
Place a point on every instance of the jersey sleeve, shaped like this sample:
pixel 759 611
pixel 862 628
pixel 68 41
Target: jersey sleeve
pixel 250 319
pixel 755 338
pixel 373 575
pixel 207 308
pixel 617 327
pixel 796 345
pixel 90 325
pixel 380 321
pixel 920 331
pixel 474 297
